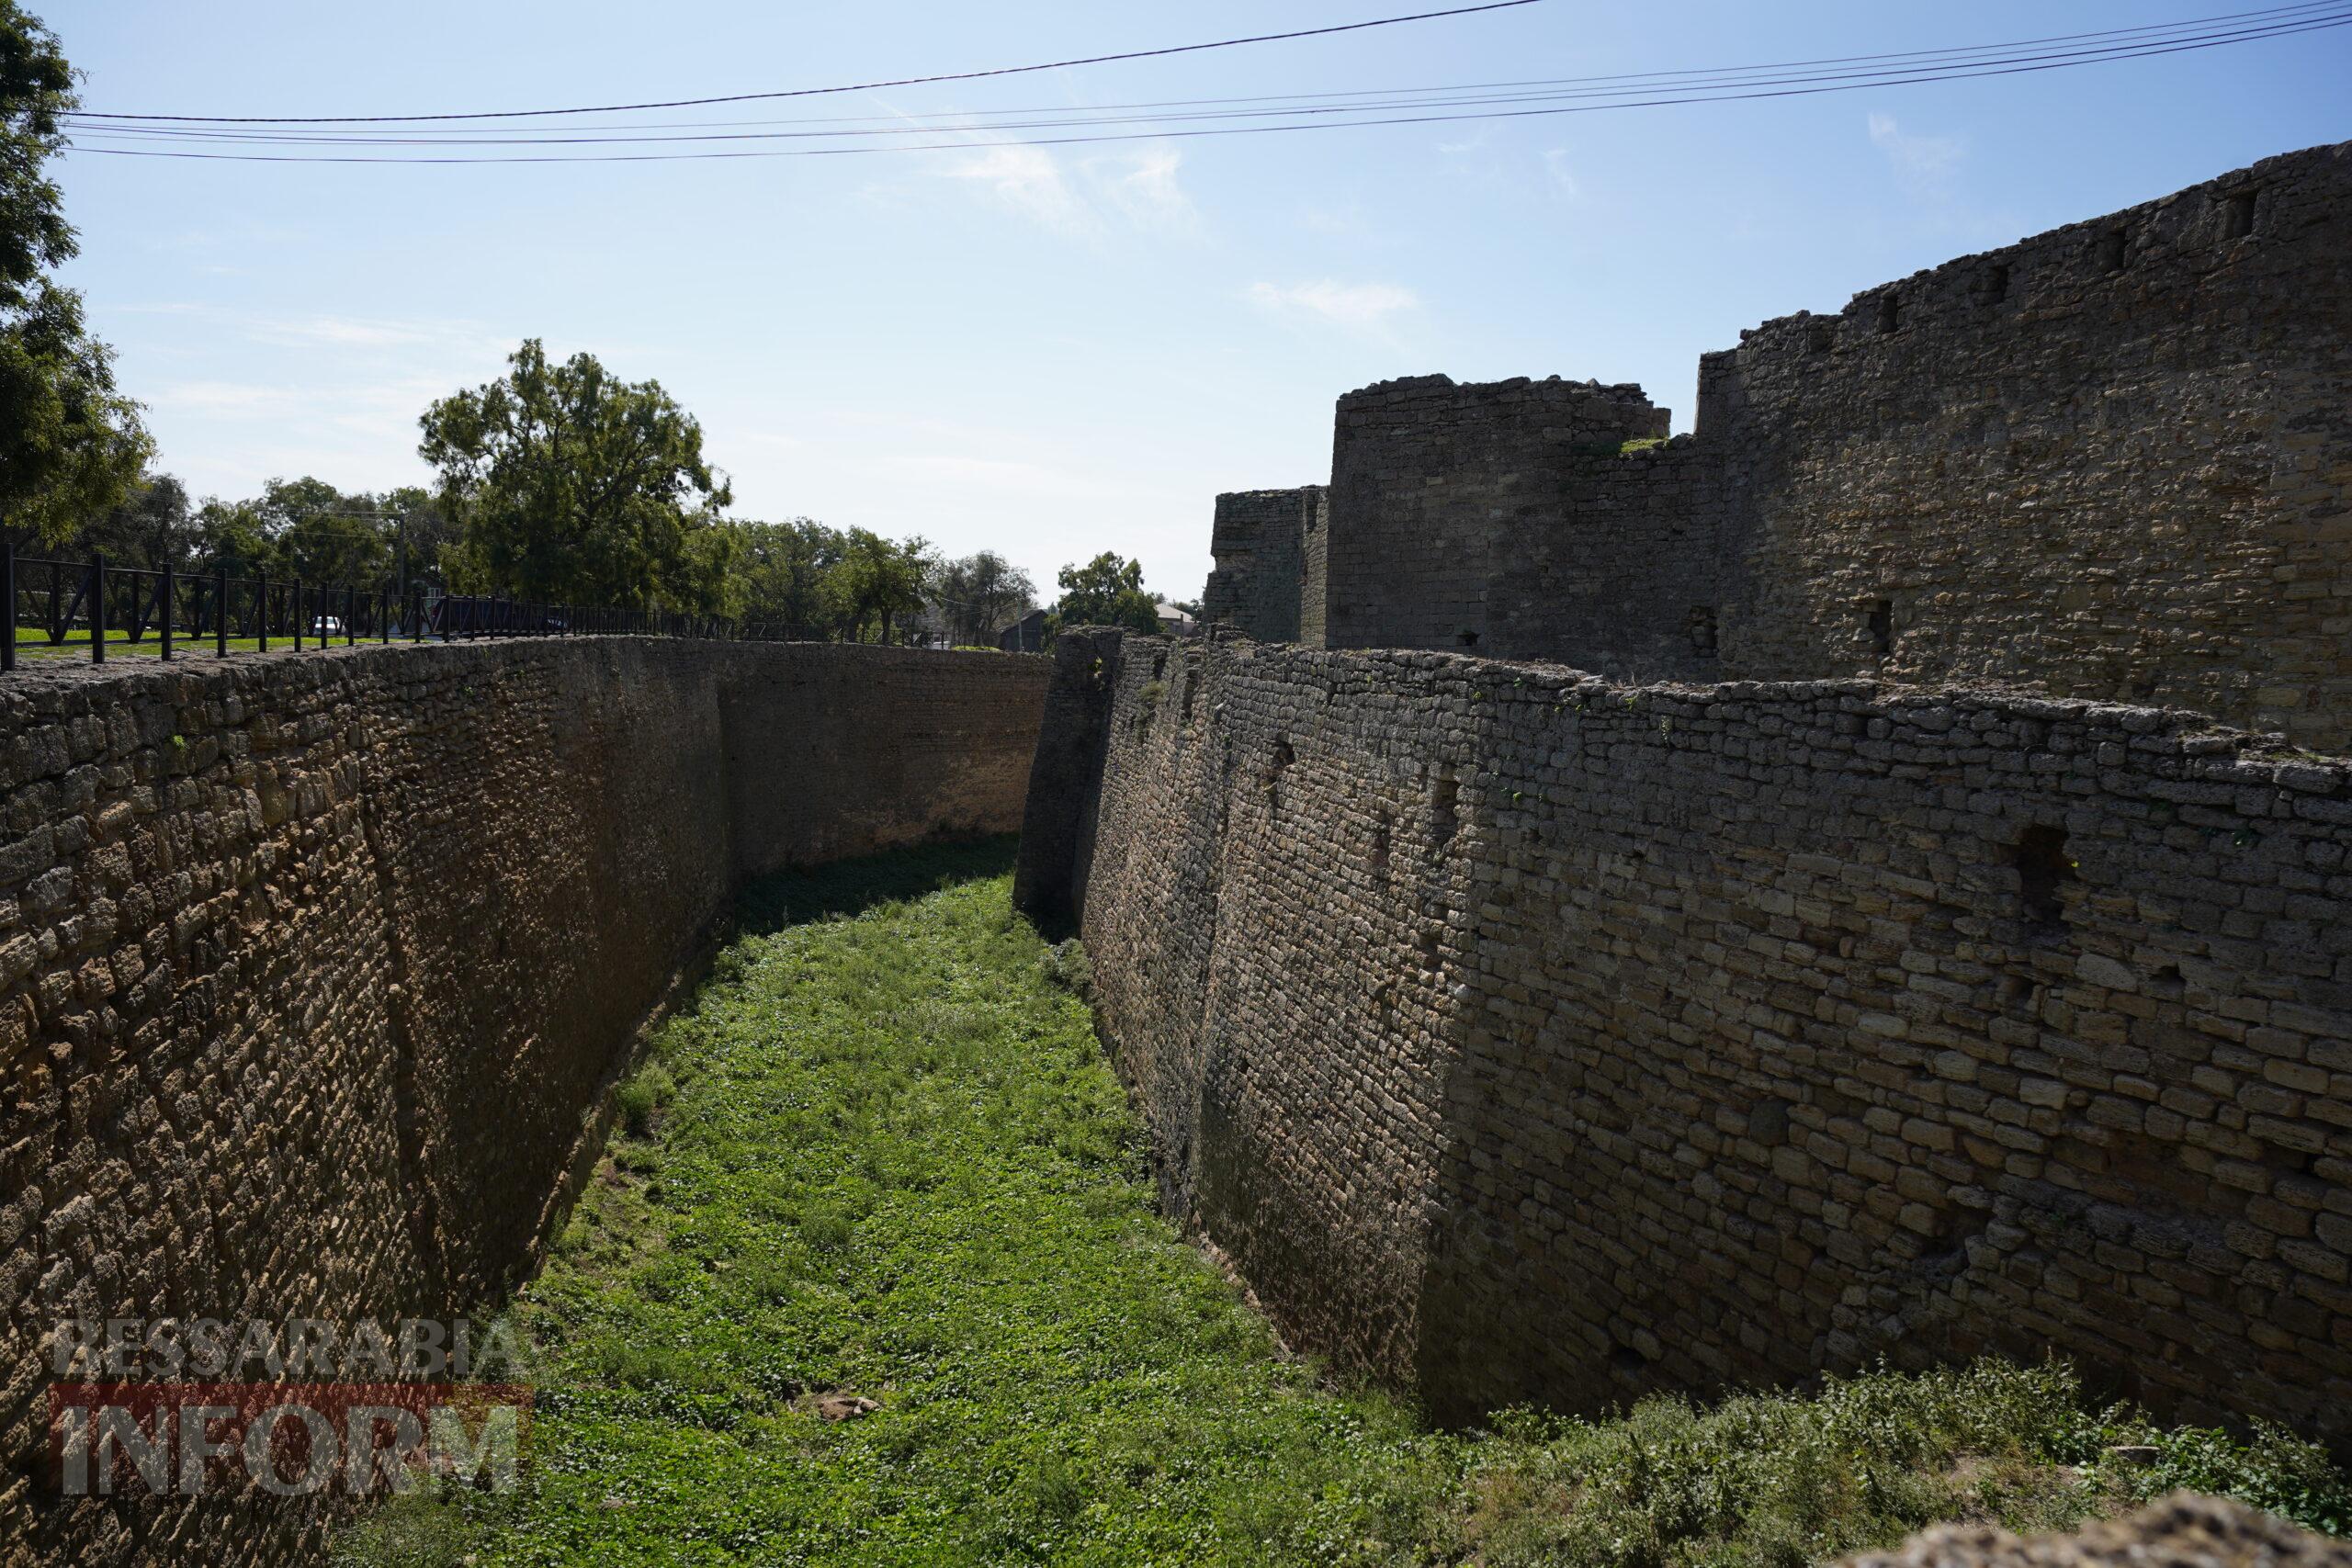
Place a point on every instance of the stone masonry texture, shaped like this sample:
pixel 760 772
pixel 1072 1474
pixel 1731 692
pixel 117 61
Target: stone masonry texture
pixel 1260 539
pixel 1447 501
pixel 1524 1036
pixel 313 965
pixel 2113 461
pixel 2183 1530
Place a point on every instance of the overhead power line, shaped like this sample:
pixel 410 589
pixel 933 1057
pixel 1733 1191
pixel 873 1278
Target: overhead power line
pixel 1266 109
pixel 852 87
pixel 1922 56
pixel 1302 112
pixel 1369 98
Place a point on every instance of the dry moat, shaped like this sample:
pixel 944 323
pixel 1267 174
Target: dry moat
pixel 871 1273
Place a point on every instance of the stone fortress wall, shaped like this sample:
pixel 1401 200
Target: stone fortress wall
pixel 2113 461
pixel 1446 499
pixel 1260 539
pixel 313 965
pixel 1523 1036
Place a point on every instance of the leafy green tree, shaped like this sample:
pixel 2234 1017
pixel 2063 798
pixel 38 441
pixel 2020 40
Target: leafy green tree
pixel 71 445
pixel 979 596
pixel 152 526
pixel 325 536
pixel 784 575
pixel 231 537
pixel 573 485
pixel 709 578
pixel 1105 592
pixel 880 582
pixel 422 534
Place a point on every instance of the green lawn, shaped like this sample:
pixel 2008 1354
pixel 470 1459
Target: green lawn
pixel 884 1157
pixel 33 643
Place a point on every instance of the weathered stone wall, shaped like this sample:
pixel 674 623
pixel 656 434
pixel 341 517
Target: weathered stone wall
pixel 1260 540
pixel 1525 1036
pixel 311 964
pixel 1315 568
pixel 1635 570
pixel 1439 490
pixel 2113 461
pixel 2183 1530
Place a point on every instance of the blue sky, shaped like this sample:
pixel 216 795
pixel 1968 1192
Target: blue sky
pixel 1052 352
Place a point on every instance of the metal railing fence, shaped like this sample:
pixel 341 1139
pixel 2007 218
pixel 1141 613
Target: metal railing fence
pixel 66 605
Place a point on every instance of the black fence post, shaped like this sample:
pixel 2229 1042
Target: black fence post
pixel 261 614
pixel 163 623
pixel 97 606
pixel 220 613
pixel 350 616
pixel 383 616
pixel 297 614
pixel 9 592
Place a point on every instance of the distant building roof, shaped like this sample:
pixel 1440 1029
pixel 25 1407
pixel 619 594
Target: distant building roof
pixel 1026 635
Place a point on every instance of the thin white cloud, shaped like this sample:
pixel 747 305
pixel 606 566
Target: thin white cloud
pixel 325 329
pixel 770 440
pixel 962 473
pixel 1345 304
pixel 1144 188
pixel 356 426
pixel 1346 222
pixel 1563 178
pixel 1920 161
pixel 229 397
pixel 351 331
pixel 1086 198
pixel 1027 180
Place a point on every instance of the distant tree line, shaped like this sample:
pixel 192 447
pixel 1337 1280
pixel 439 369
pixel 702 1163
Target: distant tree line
pixel 554 482
pixel 561 484
pixel 800 580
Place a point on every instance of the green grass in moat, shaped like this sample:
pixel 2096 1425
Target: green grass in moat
pixel 883 1156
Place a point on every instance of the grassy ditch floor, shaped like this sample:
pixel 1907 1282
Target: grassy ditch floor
pixel 883 1160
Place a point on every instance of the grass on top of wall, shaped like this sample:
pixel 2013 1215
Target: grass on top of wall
pixel 884 1159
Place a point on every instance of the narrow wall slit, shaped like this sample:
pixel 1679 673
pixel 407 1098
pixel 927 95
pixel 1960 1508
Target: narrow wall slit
pixel 2043 869
pixel 2238 216
pixel 1445 816
pixel 1702 627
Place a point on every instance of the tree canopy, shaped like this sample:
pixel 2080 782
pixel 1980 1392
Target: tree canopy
pixel 979 595
pixel 153 526
pixel 783 578
pixel 1106 592
pixel 880 582
pixel 571 485
pixel 71 445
